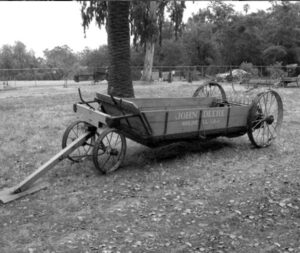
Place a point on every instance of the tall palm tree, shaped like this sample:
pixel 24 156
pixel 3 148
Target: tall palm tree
pixel 119 72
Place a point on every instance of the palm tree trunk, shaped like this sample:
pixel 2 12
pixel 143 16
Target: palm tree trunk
pixel 119 72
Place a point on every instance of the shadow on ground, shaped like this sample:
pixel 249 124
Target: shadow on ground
pixel 139 155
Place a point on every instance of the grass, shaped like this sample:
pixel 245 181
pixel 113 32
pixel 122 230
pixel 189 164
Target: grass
pixel 222 196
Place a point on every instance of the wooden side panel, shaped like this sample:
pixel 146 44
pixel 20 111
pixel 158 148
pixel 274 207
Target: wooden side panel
pixel 183 121
pixel 214 118
pixel 146 104
pixel 187 120
pixel 156 120
pixel 93 117
pixel 125 104
pixel 238 116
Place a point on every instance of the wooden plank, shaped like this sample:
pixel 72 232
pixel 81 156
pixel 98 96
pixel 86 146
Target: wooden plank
pixel 156 121
pixel 85 113
pixel 146 104
pixel 182 121
pixel 187 120
pixel 214 118
pixel 7 195
pixel 125 104
pixel 27 182
pixel 238 116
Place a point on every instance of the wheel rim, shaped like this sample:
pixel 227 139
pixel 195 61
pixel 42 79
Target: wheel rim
pixel 211 89
pixel 74 131
pixel 109 151
pixel 265 119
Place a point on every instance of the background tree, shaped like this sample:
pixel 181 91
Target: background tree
pixel 96 58
pixel 61 57
pixel 216 35
pixel 282 28
pixel 147 19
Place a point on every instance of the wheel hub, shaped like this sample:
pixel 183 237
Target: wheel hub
pixel 114 152
pixel 111 151
pixel 269 120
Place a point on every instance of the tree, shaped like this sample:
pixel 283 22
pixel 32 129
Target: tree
pixel 200 42
pixel 172 53
pixel 17 57
pixel 282 28
pixel 94 59
pixel 146 18
pixel 274 54
pixel 119 49
pixel 61 57
pixel 6 57
pixel 115 14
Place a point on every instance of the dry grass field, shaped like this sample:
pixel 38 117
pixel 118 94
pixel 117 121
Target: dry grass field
pixel 221 196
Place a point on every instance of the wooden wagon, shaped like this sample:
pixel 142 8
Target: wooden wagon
pixel 105 122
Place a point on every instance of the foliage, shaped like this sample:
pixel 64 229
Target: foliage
pixel 216 35
pixel 200 44
pixel 274 53
pixel 276 71
pixel 146 20
pixel 17 56
pixel 143 26
pixel 249 68
pixel 171 53
pixel 93 59
pixel 61 57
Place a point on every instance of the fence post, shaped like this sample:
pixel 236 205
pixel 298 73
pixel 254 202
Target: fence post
pixel 190 78
pixel 34 78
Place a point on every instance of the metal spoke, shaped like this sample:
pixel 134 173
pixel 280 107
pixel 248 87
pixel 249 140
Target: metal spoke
pixel 75 133
pixel 111 135
pixel 272 136
pixel 266 102
pixel 271 103
pixel 106 161
pixel 254 127
pixel 107 140
pixel 263 134
pixel 116 142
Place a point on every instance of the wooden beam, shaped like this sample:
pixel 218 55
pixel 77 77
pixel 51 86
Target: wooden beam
pixel 23 188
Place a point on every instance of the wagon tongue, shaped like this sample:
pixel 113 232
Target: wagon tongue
pixel 30 184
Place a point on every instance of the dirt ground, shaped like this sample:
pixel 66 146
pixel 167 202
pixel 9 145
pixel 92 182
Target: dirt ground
pixel 221 196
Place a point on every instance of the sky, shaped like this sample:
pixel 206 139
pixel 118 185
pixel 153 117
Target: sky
pixel 44 25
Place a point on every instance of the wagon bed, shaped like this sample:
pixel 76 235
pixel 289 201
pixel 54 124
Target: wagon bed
pixel 156 121
pixel 104 124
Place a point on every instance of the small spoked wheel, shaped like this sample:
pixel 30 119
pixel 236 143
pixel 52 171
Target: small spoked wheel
pixel 73 131
pixel 265 118
pixel 109 150
pixel 210 89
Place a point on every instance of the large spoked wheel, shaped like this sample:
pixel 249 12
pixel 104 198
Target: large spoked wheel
pixel 265 118
pixel 210 89
pixel 75 130
pixel 109 150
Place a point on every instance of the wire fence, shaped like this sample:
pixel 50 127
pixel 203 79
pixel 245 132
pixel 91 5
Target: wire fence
pixel 246 73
